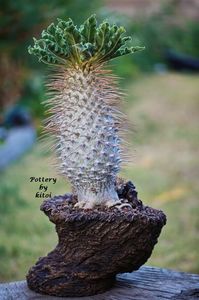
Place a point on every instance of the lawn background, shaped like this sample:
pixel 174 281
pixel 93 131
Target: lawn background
pixel 163 145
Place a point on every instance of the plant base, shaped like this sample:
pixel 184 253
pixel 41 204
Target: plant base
pixel 95 245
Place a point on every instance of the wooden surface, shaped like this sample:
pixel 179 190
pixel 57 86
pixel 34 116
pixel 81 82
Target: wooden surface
pixel 148 283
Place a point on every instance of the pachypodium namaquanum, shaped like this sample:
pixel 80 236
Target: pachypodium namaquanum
pixel 84 97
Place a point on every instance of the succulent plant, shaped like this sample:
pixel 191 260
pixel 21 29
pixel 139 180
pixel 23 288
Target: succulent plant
pixel 84 115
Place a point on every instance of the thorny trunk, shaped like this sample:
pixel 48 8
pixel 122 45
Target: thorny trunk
pixel 86 124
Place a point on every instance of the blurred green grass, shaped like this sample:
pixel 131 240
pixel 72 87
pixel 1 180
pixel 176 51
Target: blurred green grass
pixel 164 149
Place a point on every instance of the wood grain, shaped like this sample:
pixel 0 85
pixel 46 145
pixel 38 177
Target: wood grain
pixel 148 283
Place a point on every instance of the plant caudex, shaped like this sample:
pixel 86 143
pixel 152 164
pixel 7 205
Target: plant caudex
pixel 84 119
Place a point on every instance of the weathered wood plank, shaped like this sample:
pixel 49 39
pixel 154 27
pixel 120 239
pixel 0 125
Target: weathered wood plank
pixel 148 283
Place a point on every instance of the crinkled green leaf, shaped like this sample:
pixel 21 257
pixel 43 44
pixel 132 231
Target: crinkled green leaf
pixel 65 42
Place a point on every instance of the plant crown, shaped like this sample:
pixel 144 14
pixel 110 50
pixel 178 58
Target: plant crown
pixel 64 43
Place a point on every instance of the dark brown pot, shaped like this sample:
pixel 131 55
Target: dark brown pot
pixel 95 245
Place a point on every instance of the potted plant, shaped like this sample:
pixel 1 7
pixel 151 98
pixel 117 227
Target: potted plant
pixel 103 228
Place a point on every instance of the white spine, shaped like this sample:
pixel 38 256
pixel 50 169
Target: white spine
pixel 86 125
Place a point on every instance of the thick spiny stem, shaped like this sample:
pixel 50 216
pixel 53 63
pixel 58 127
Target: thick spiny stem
pixel 86 123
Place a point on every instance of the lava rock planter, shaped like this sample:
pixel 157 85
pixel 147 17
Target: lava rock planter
pixel 95 245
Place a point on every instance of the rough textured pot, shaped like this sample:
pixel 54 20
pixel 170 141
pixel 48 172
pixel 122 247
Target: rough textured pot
pixel 95 245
